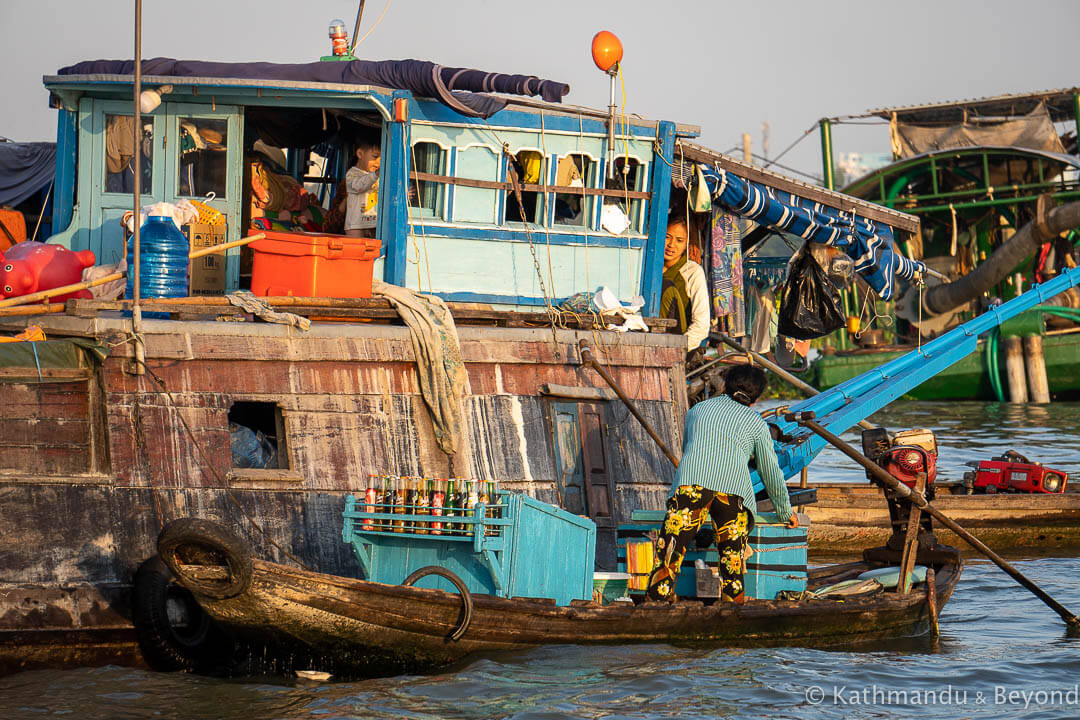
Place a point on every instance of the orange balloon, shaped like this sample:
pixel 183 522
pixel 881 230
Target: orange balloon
pixel 606 50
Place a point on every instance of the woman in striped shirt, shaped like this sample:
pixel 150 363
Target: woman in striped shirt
pixel 713 482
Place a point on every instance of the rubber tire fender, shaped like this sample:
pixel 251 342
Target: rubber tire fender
pixel 165 646
pixel 466 596
pixel 205 542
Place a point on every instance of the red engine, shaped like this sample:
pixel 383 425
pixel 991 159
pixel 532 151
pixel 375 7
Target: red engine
pixel 905 462
pixel 1012 472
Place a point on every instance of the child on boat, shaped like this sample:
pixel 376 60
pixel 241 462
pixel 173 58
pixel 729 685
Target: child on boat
pixel 713 482
pixel 362 184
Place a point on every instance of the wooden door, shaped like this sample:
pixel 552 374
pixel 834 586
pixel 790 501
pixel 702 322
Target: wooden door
pixel 107 172
pixel 585 484
pixel 203 161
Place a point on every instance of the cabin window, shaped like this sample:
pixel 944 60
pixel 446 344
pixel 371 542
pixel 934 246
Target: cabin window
pixel 629 176
pixel 120 153
pixel 473 204
pixel 584 483
pixel 202 168
pixel 426 196
pixel 531 169
pixel 257 435
pixel 575 170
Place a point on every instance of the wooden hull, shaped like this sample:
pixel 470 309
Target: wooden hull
pixel 850 516
pixel 357 628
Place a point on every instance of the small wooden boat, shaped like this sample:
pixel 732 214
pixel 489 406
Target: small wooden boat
pixel 358 628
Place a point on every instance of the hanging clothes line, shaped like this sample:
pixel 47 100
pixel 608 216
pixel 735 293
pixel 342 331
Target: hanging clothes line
pixel 867 242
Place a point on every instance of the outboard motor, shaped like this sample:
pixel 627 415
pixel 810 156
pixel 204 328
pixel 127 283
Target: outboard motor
pixel 905 455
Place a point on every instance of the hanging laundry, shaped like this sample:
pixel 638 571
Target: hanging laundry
pixel 726 288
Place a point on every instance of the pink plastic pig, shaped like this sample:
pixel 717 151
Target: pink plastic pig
pixel 32 266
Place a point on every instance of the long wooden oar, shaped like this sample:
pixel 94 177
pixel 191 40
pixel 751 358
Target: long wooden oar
pixel 916 498
pixel 588 359
pixel 765 362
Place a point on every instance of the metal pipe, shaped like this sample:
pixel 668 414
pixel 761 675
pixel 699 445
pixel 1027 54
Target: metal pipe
pixel 587 358
pixel 808 389
pixel 356 27
pixel 136 311
pixel 611 124
pixel 918 500
pixel 826 152
pixel 942 298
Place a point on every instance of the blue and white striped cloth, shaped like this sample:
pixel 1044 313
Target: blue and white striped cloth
pixel 720 438
pixel 868 243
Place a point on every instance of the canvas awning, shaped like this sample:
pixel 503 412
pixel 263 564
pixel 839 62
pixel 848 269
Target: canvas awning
pixel 869 243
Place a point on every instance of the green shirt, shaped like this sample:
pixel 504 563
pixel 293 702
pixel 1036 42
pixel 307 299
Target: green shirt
pixel 720 438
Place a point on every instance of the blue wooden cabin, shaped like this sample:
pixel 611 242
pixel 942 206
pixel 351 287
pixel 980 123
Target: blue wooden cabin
pixel 447 216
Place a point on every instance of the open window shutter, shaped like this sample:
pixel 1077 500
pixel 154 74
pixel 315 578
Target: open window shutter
pixel 597 477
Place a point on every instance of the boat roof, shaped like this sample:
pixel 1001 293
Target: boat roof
pixel 1059 103
pixel 830 198
pixel 1004 153
pixel 488 92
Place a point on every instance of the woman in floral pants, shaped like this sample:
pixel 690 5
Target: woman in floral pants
pixel 687 511
pixel 713 481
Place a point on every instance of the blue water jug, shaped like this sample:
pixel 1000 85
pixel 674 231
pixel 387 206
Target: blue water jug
pixel 163 260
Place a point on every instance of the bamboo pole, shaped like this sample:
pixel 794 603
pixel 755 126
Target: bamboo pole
pixel 62 290
pixel 44 309
pixel 225 246
pixel 917 499
pixel 588 359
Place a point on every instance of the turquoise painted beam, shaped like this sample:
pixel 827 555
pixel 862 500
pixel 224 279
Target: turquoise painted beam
pixel 652 267
pixel 394 229
pixel 67 152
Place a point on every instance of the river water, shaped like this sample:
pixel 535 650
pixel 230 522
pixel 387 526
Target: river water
pixel 1000 654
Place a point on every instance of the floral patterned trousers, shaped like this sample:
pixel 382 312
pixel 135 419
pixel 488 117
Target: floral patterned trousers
pixel 687 511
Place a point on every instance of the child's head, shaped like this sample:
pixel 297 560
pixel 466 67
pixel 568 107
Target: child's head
pixel 367 155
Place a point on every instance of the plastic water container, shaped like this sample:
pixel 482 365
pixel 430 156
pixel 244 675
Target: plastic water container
pixel 163 260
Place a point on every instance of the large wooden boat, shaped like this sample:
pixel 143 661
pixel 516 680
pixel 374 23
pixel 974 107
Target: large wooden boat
pixel 973 172
pixel 105 439
pixel 349 627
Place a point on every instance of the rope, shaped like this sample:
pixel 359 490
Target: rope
pixel 372 28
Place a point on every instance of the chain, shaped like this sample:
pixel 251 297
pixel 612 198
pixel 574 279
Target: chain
pixel 511 172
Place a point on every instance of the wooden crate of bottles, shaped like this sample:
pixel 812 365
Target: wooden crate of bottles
pixel 499 543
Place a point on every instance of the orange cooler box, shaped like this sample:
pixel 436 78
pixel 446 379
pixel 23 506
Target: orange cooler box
pixel 313 265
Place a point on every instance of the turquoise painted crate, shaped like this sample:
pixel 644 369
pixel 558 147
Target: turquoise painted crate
pixel 515 547
pixel 778 562
pixel 779 559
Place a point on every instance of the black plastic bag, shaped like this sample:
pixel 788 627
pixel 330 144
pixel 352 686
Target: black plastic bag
pixel 810 305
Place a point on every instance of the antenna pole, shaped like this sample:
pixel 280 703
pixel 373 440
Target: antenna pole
pixel 136 311
pixel 611 123
pixel 356 28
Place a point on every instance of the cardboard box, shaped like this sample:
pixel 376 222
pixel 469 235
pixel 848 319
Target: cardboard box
pixel 207 273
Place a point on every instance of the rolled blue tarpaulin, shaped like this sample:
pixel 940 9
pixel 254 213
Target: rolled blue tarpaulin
pixel 868 243
pixel 25 168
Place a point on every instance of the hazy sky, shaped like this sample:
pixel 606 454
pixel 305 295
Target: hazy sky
pixel 725 66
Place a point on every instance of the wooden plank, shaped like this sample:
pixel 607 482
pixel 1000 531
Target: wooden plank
pixel 529 187
pixel 48 373
pixel 41 458
pixel 35 401
pixel 27 431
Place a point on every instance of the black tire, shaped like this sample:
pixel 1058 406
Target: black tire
pixel 194 541
pixel 466 596
pixel 173 631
